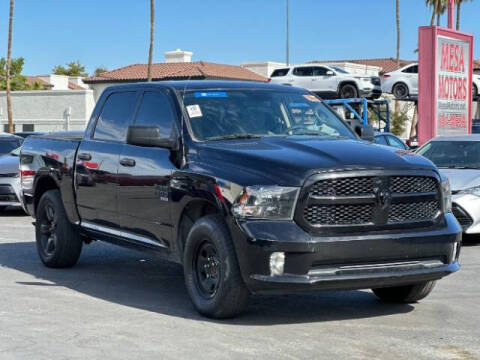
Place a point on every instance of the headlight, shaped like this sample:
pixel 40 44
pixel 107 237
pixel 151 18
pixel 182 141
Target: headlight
pixel 472 191
pixel 446 195
pixel 266 202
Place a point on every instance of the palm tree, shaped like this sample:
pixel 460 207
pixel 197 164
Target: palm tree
pixel 438 9
pixel 459 5
pixel 9 63
pixel 150 51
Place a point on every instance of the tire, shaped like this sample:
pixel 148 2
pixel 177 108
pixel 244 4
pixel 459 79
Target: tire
pixel 405 294
pixel 212 274
pixel 400 91
pixel 58 243
pixel 2 208
pixel 348 91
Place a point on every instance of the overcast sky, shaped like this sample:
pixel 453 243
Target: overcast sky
pixel 115 33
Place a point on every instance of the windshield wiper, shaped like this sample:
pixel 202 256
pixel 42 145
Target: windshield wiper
pixel 234 136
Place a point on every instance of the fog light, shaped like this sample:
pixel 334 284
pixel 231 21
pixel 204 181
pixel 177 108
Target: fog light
pixel 277 261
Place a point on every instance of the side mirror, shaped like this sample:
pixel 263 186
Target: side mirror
pixel 330 73
pixel 366 132
pixel 149 136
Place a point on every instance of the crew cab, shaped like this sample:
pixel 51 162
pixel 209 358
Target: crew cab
pixel 253 187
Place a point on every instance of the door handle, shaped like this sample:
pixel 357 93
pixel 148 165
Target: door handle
pixel 127 162
pixel 85 156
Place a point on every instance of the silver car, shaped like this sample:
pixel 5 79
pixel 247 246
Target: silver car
pixel 458 158
pixel 10 180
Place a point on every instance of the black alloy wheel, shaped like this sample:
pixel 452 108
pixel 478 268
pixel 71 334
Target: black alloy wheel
pixel 48 229
pixel 400 91
pixel 59 243
pixel 348 91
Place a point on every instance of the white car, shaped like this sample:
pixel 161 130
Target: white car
pixel 328 81
pixel 403 83
pixel 10 189
pixel 458 158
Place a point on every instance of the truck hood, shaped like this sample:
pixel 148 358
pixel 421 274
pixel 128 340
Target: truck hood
pixel 461 179
pixel 288 161
pixel 9 164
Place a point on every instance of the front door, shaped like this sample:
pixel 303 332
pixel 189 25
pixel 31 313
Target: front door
pixel 98 161
pixel 144 176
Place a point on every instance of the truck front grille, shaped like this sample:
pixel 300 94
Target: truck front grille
pixel 347 203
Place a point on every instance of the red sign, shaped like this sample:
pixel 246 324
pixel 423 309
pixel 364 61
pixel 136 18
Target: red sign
pixel 444 82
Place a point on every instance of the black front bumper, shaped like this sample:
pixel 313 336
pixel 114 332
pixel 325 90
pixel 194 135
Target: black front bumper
pixel 343 262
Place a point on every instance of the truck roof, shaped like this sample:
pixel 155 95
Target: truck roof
pixel 210 84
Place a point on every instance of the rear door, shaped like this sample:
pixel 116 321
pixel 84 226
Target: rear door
pixel 96 178
pixel 144 175
pixel 411 75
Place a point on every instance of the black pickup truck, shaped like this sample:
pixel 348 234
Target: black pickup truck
pixel 254 188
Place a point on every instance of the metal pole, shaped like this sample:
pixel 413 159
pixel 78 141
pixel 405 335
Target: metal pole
pixel 288 34
pixel 451 10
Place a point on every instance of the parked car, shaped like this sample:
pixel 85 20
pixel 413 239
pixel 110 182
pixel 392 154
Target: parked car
pixel 403 83
pixel 9 142
pixel 253 187
pixel 458 158
pixel 10 189
pixel 389 139
pixel 328 81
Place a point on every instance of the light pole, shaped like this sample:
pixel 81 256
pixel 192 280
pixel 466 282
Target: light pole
pixel 288 35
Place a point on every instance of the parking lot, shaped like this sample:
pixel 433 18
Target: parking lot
pixel 123 304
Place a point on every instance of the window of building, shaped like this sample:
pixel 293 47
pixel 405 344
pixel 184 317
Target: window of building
pixel 28 127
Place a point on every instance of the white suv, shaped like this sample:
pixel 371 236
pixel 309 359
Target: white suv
pixel 403 83
pixel 328 81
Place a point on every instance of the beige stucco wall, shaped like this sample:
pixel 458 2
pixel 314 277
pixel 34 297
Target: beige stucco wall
pixel 48 110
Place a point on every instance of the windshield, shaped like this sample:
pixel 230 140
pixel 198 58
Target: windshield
pixel 340 70
pixel 216 115
pixel 453 154
pixel 7 145
pixel 16 152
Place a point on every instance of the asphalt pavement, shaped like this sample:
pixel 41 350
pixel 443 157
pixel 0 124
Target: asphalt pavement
pixel 121 304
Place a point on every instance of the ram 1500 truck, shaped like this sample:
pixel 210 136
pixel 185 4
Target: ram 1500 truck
pixel 254 188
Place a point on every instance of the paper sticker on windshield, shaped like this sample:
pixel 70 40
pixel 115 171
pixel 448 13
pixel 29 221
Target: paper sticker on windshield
pixel 311 98
pixel 211 94
pixel 194 111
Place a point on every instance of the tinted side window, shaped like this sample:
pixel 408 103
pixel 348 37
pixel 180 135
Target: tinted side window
pixel 303 71
pixel 156 110
pixel 115 116
pixel 380 140
pixel 397 143
pixel 411 70
pixel 280 72
pixel 319 71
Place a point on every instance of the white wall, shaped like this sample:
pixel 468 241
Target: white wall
pixel 98 89
pixel 358 69
pixel 264 69
pixel 48 110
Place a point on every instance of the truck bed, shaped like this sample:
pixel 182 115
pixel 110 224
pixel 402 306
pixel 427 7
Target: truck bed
pixel 48 157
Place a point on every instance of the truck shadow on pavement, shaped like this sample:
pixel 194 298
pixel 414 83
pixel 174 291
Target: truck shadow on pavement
pixel 136 280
